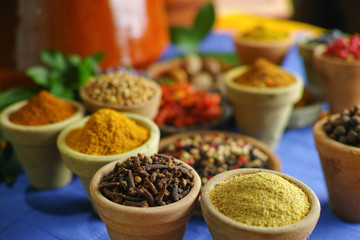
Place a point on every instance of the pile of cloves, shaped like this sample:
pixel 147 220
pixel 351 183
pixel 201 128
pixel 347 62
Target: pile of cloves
pixel 147 181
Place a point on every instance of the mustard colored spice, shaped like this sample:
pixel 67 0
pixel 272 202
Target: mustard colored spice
pixel 261 33
pixel 260 199
pixel 264 74
pixel 107 132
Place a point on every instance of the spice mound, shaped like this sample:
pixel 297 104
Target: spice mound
pixel 107 132
pixel 260 199
pixel 264 74
pixel 43 109
pixel 345 127
pixel 210 154
pixel 261 33
pixel 121 88
pixel 347 48
pixel 147 181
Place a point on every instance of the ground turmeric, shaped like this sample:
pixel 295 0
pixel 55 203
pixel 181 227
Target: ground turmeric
pixel 107 132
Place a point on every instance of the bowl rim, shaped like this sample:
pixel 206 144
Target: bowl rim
pixel 106 169
pixel 314 212
pixel 257 143
pixel 289 40
pixel 8 111
pixel 321 58
pixel 154 133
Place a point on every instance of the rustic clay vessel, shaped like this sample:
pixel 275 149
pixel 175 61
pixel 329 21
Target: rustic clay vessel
pixel 274 51
pixel 85 165
pixel 36 149
pixel 340 80
pixel 224 228
pixel 147 109
pixel 153 223
pixel 340 164
pixel 262 113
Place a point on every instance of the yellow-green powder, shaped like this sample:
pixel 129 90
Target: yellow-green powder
pixel 260 199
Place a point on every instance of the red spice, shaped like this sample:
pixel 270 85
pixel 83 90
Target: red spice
pixel 345 48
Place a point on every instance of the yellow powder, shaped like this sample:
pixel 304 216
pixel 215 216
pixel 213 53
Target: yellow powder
pixel 107 132
pixel 260 199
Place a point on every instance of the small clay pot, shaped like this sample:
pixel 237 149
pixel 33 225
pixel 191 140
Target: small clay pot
pixel 85 165
pixel 340 164
pixel 224 228
pixel 249 50
pixel 36 149
pixel 262 113
pixel 340 80
pixel 147 109
pixel 152 223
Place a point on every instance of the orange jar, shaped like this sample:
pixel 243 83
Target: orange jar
pixel 129 32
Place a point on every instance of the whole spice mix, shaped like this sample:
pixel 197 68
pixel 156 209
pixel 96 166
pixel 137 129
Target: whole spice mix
pixel 347 48
pixel 147 181
pixel 42 109
pixel 264 74
pixel 210 154
pixel 121 88
pixel 262 33
pixel 260 199
pixel 107 132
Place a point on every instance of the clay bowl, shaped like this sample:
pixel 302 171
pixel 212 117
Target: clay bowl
pixel 262 113
pixel 36 149
pixel 85 165
pixel 147 109
pixel 249 50
pixel 124 222
pixel 339 79
pixel 340 164
pixel 222 227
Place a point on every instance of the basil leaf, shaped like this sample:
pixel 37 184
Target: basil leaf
pixel 9 165
pixel 74 60
pixel 13 95
pixel 54 59
pixel 39 75
pixel 184 38
pixel 204 21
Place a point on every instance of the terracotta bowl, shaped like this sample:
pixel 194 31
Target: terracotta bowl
pixel 262 113
pixel 340 164
pixel 36 149
pixel 222 227
pixel 249 50
pixel 339 79
pixel 124 222
pixel 147 109
pixel 85 165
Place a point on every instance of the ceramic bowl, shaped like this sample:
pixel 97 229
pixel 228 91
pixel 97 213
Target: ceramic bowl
pixel 340 165
pixel 152 223
pixel 85 165
pixel 147 109
pixel 274 51
pixel 222 227
pixel 262 113
pixel 36 149
pixel 339 79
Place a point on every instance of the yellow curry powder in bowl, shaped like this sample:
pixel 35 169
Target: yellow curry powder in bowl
pixel 264 74
pixel 262 33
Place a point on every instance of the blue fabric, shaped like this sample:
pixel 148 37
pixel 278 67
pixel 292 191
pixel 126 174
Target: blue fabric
pixel 65 213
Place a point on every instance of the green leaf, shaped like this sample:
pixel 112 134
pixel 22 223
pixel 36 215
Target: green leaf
pixel 13 95
pixel 184 38
pixel 54 59
pixel 9 165
pixel 74 60
pixel 39 75
pixel 230 58
pixel 204 21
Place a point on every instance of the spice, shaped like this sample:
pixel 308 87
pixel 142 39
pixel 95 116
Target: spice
pixel 260 199
pixel 210 154
pixel 147 181
pixel 327 37
pixel 42 109
pixel 345 127
pixel 121 88
pixel 345 48
pixel 261 33
pixel 107 132
pixel 183 106
pixel 306 99
pixel 264 74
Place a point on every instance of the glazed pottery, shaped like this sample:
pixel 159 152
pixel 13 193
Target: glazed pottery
pixel 152 223
pixel 340 80
pixel 36 149
pixel 340 164
pixel 85 165
pixel 147 109
pixel 262 113
pixel 224 228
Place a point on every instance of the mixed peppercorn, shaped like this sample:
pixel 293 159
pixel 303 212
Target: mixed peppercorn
pixel 327 37
pixel 210 154
pixel 345 48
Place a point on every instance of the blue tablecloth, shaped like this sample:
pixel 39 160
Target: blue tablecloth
pixel 65 213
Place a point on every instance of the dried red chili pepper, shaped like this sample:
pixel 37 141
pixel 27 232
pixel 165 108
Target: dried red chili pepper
pixel 345 48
